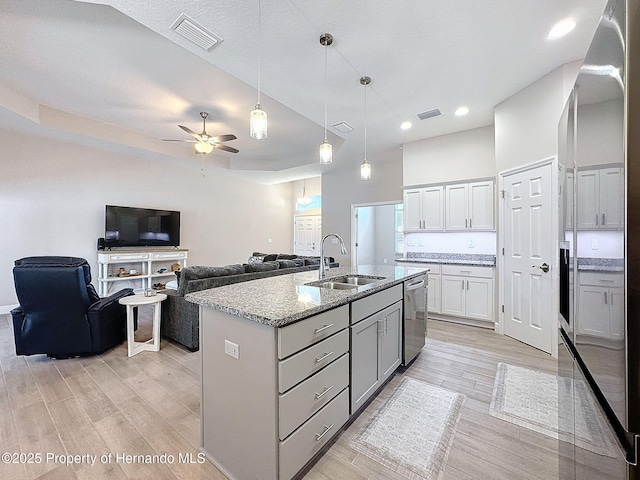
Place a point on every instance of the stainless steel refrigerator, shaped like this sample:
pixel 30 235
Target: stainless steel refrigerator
pixel 599 314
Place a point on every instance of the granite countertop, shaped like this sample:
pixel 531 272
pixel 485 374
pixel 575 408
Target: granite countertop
pixel 450 258
pixel 284 299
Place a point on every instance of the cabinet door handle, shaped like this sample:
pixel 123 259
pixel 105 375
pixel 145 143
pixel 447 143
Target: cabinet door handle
pixel 467 284
pixel 323 392
pixel 385 325
pixel 465 223
pixel 470 220
pixel 605 298
pixel 324 357
pixel 321 329
pixel 463 284
pixel 596 219
pixel 326 429
pixel 465 271
pixel 603 219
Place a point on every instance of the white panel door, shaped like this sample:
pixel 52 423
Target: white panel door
pixel 529 310
pixel 453 295
pixel 588 199
pixel 611 198
pixel 479 298
pixel 307 234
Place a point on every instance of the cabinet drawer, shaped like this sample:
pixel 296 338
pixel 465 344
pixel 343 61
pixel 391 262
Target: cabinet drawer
pixel 293 338
pixel 302 401
pixel 467 271
pixel 305 363
pixel 126 257
pixel 169 255
pixel 365 307
pixel 602 279
pixel 302 445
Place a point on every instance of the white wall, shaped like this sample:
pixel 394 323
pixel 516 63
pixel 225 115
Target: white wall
pixel 343 188
pixel 457 156
pixel 526 124
pixel 53 194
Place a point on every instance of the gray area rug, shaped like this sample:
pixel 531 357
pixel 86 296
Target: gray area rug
pixel 529 398
pixel 412 432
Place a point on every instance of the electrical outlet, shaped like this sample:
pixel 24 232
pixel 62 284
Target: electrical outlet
pixel 421 243
pixel 594 244
pixel 411 242
pixel 268 240
pixel 384 260
pixel 232 349
pixel 472 243
pixel 334 241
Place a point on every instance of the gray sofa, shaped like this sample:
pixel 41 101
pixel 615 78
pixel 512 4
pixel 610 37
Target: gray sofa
pixel 180 318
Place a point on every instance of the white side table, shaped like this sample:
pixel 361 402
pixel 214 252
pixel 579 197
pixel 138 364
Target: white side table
pixel 134 301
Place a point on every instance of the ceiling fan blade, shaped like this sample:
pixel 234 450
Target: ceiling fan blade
pixel 224 138
pixel 225 148
pixel 187 141
pixel 190 132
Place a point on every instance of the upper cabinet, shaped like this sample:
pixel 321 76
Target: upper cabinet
pixel 600 198
pixel 424 209
pixel 450 208
pixel 470 206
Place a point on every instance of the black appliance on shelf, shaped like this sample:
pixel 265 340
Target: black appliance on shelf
pixel 599 278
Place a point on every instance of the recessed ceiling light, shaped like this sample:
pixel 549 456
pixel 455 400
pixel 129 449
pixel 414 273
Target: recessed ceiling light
pixel 461 111
pixel 405 125
pixel 561 28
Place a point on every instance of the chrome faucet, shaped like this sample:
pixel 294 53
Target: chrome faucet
pixel 343 250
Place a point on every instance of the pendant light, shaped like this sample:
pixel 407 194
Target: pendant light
pixel 258 117
pixel 304 200
pixel 365 168
pixel 326 150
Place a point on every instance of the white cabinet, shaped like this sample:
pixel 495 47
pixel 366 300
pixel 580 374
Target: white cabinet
pixel 470 206
pixel 434 293
pixel 424 209
pixel 468 292
pixel 140 268
pixel 602 313
pixel 600 199
pixel 376 349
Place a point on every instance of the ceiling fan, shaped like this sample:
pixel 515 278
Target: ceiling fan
pixel 205 143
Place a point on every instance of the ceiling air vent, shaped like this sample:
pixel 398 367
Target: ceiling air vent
pixel 428 114
pixel 343 127
pixel 195 33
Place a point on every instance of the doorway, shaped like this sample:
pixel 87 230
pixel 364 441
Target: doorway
pixel 308 235
pixel 528 242
pixel 377 233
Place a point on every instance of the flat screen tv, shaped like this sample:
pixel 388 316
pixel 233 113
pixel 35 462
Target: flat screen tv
pixel 141 227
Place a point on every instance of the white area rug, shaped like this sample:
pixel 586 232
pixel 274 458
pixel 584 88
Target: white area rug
pixel 529 398
pixel 413 431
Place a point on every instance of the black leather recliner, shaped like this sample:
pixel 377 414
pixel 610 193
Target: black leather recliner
pixel 60 313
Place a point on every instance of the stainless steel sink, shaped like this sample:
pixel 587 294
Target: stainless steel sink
pixel 356 280
pixel 336 285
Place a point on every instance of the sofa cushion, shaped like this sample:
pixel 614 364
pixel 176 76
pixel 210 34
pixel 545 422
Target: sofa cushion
pixel 270 257
pixel 312 261
pixel 286 264
pixel 260 267
pixel 256 258
pixel 285 256
pixel 299 262
pixel 197 272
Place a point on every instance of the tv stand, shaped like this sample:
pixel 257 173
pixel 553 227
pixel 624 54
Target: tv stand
pixel 146 262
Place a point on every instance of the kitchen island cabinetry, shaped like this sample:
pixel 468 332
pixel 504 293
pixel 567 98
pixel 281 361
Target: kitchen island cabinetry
pixel 277 368
pixel 376 347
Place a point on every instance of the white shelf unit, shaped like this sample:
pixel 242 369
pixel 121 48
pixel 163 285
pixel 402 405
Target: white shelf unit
pixel 147 262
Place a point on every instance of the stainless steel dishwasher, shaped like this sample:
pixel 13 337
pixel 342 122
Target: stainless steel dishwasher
pixel 415 318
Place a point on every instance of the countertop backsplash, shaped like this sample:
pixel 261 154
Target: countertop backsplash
pixel 476 243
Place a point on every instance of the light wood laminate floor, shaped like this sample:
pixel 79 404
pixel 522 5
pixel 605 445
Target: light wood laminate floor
pixel 149 405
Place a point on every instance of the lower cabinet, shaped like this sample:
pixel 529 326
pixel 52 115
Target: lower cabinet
pixel 468 292
pixel 602 313
pixel 376 352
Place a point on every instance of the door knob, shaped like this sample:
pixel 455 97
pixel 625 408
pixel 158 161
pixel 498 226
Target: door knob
pixel 544 267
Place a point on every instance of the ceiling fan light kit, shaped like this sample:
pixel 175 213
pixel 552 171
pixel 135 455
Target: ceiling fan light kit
pixel 203 147
pixel 205 143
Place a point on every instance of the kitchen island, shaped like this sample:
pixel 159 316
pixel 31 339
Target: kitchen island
pixel 286 362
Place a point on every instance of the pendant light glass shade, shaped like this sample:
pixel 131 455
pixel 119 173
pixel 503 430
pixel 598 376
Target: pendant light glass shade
pixel 258 117
pixel 258 123
pixel 326 152
pixel 203 147
pixel 303 201
pixel 365 170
